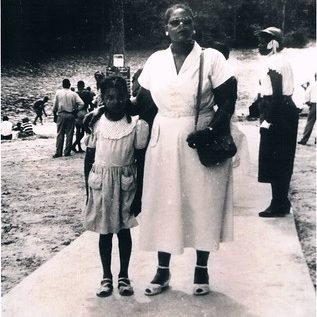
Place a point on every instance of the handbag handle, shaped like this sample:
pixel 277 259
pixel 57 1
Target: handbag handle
pixel 199 88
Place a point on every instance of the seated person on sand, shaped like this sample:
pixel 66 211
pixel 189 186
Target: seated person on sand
pixel 6 128
pixel 26 128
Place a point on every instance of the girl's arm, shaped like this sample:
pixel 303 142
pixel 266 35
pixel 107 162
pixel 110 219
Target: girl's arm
pixel 141 135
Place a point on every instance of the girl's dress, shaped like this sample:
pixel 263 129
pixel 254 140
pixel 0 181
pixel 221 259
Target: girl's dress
pixel 112 179
pixel 184 203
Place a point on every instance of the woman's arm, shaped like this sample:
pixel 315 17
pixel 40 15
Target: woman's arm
pixel 225 99
pixel 270 104
pixel 143 102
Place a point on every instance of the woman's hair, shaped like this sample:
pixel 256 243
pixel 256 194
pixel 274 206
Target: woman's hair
pixel 174 7
pixel 120 84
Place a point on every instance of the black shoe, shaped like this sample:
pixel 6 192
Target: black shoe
pixel 301 142
pixel 67 154
pixel 269 212
pixel 106 288
pixel 74 149
pixel 56 155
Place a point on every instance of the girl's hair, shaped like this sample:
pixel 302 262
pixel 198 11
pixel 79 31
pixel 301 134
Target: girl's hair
pixel 120 84
pixel 114 81
pixel 176 6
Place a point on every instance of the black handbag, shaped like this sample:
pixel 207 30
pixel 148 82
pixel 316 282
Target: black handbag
pixel 217 148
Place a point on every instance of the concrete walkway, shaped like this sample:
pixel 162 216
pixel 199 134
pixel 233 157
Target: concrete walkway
pixel 262 273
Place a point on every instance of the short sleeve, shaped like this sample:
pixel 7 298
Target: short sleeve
pixel 141 135
pixel 145 77
pixel 220 70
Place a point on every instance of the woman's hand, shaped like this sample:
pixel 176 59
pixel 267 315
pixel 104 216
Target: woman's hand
pixel 200 137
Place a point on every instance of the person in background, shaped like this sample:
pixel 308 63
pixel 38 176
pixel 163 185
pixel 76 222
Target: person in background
pixel 112 179
pixel 184 203
pixel 6 128
pixel 99 76
pixel 278 122
pixel 310 100
pixel 242 157
pixel 65 105
pixel 147 111
pixel 92 96
pixel 26 128
pixel 80 114
pixel 39 108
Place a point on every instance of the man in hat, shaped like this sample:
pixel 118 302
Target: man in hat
pixel 278 122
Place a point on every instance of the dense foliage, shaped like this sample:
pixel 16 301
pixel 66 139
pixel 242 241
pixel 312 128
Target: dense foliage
pixel 42 26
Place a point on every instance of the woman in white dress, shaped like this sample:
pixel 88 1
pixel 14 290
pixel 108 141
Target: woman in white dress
pixel 185 204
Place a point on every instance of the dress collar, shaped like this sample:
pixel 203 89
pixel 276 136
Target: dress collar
pixel 191 58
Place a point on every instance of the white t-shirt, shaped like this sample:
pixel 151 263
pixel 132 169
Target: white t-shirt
pixel 282 66
pixel 311 92
pixel 6 128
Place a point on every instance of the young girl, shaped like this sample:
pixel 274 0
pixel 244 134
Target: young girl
pixel 112 179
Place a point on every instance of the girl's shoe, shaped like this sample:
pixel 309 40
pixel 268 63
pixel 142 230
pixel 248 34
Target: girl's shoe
pixel 105 289
pixel 201 288
pixel 124 287
pixel 156 287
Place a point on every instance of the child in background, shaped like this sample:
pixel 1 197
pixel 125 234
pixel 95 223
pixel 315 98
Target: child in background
pixel 39 108
pixel 112 179
pixel 26 128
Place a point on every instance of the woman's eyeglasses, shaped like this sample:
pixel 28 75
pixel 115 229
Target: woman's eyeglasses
pixel 177 22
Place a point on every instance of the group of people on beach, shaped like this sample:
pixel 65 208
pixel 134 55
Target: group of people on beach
pixel 141 155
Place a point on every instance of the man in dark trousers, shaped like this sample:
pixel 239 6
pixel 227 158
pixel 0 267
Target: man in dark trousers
pixel 311 99
pixel 65 106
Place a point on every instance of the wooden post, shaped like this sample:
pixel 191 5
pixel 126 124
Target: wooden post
pixel 116 35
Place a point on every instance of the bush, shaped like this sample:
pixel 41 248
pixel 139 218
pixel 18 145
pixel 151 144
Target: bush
pixel 297 38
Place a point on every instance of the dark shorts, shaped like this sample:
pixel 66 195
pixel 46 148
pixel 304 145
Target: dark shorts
pixel 6 137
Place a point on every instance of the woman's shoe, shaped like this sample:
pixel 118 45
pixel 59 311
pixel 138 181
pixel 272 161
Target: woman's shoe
pixel 157 286
pixel 106 287
pixel 124 287
pixel 201 283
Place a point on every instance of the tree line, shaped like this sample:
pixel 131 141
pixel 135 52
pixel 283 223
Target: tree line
pixel 38 27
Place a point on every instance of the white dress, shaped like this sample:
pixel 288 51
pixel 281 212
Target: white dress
pixel 112 179
pixel 184 203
